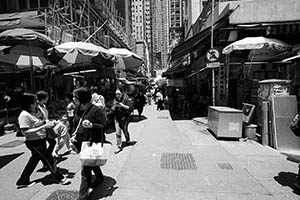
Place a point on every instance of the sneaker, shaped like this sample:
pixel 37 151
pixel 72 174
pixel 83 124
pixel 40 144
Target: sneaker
pixel 118 150
pixel 19 186
pixel 65 181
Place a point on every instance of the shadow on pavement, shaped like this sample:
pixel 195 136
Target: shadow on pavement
pixel 4 160
pixel 106 189
pixel 50 179
pixel 223 138
pixel 58 160
pixel 110 127
pixel 288 179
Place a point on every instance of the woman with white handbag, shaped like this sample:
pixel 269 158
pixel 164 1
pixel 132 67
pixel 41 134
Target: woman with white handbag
pixel 89 121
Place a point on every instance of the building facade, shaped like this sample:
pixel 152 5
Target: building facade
pixel 141 28
pixel 65 20
pixel 176 22
pixel 192 10
pixel 160 36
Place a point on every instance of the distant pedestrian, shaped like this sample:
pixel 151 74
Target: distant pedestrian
pixel 149 96
pixel 97 99
pixel 160 101
pixel 92 120
pixel 122 107
pixel 34 130
pixel 70 111
pixel 139 103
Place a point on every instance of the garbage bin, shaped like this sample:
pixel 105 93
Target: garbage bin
pixel 250 131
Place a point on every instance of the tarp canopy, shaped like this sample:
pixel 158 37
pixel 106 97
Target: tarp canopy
pixel 74 54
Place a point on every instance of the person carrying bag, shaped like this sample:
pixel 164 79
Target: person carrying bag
pixel 92 153
pixel 89 121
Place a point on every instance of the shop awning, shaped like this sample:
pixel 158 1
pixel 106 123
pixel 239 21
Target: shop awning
pixel 177 69
pixel 187 45
pixel 192 42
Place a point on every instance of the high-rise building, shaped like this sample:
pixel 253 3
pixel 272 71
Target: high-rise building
pixel 176 22
pixel 160 33
pixel 141 28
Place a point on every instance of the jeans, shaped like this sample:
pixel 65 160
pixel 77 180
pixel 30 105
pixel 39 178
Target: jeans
pixel 86 180
pixel 38 152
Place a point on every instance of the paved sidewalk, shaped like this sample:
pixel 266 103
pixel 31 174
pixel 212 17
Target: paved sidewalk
pixel 171 160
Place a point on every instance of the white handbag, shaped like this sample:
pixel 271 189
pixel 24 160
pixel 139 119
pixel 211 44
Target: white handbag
pixel 94 154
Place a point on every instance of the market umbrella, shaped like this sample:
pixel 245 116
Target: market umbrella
pixel 126 60
pixel 28 38
pixel 79 54
pixel 261 48
pixel 17 59
pixel 25 36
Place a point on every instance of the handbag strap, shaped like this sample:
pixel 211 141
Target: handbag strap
pixel 81 118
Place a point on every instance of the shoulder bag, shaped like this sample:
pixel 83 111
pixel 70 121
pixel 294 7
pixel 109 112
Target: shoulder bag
pixel 91 153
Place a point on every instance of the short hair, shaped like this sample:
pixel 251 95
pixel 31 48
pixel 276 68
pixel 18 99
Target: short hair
pixel 27 100
pixel 83 94
pixel 41 95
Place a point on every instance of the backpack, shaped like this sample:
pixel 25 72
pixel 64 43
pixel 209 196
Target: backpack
pixel 295 125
